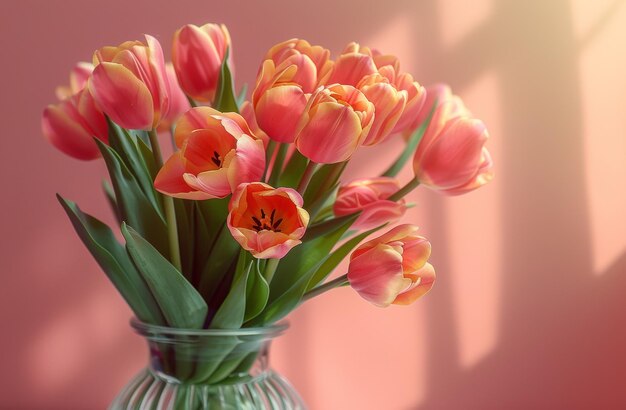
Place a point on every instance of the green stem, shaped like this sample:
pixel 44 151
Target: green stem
pixel 410 186
pixel 411 146
pixel 340 281
pixel 269 153
pixel 306 177
pixel 270 269
pixel 168 205
pixel 333 176
pixel 278 164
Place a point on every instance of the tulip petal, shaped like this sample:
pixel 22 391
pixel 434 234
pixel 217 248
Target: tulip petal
pixel 67 135
pixel 423 286
pixel 278 111
pixel 122 96
pixel 170 180
pixel 214 183
pixel 377 275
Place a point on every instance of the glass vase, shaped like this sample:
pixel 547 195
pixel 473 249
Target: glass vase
pixel 208 369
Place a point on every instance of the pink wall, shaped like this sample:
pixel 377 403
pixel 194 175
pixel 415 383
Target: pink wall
pixel 529 305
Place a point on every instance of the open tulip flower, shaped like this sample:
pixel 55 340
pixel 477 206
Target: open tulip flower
pixel 267 221
pixel 334 124
pixel 251 214
pixel 370 197
pixel 72 124
pixel 218 152
pixel 130 85
pixel 393 268
pixel 197 54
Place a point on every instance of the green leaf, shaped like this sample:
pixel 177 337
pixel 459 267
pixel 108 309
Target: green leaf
pixel 115 262
pixel 230 314
pixel 223 253
pixel 319 178
pixel 225 100
pixel 110 196
pixel 135 208
pixel 322 228
pixel 126 146
pixel 181 304
pixel 411 146
pixel 257 293
pixel 336 257
pixel 293 171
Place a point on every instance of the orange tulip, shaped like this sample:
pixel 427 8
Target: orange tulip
pixel 369 196
pixel 451 157
pixel 198 54
pixel 393 268
pixel 129 83
pixel 78 80
pixel 388 103
pixel 335 122
pixel 267 221
pixel 179 104
pixel 72 124
pixel 218 152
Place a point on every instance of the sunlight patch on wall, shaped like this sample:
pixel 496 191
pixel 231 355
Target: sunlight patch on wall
pixel 460 18
pixel 396 38
pixel 602 28
pixel 476 238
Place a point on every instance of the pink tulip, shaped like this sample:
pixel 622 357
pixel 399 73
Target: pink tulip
pixel 369 196
pixel 267 221
pixel 179 104
pixel 247 112
pixel 278 100
pixel 307 78
pixel 218 152
pixel 78 80
pixel 451 156
pixel 388 103
pixel 354 63
pixel 393 268
pixel 198 53
pixel 416 98
pixel 129 83
pixel 71 125
pixel 334 124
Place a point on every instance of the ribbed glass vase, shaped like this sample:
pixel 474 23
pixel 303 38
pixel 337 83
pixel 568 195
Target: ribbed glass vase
pixel 208 369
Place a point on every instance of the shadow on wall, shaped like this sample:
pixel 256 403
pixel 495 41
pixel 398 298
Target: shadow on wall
pixel 561 332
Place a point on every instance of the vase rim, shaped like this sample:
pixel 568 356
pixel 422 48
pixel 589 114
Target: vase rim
pixel 147 329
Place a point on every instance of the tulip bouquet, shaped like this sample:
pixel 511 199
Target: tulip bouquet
pixel 250 215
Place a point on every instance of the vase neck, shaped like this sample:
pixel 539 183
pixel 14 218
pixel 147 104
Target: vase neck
pixel 208 357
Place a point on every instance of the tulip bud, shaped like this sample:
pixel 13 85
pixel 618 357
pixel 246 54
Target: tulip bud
pixel 267 221
pixel 218 152
pixel 71 125
pixel 416 97
pixel 451 157
pixel 129 83
pixel 335 122
pixel 369 197
pixel 291 71
pixel 354 63
pixel 198 54
pixel 278 101
pixel 78 80
pixel 393 268
pixel 179 104
pixel 388 103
